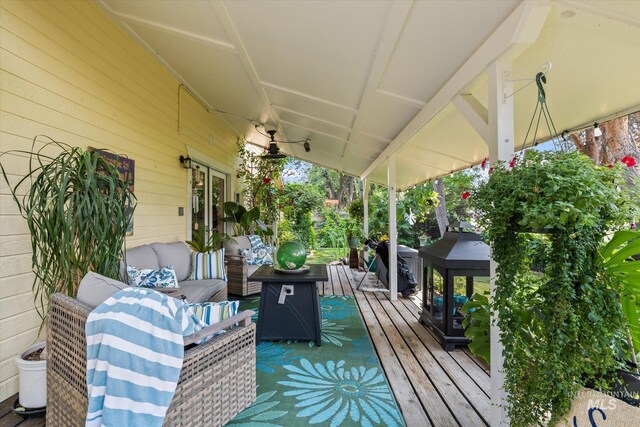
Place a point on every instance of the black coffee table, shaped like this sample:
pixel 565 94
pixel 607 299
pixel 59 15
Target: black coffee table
pixel 289 316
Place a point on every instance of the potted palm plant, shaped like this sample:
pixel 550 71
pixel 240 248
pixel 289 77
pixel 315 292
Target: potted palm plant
pixel 78 207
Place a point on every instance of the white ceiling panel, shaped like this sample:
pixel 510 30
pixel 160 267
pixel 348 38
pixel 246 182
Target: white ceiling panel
pixel 312 107
pixel 332 64
pixel 207 70
pixel 438 38
pixel 189 16
pixel 386 118
pixel 355 164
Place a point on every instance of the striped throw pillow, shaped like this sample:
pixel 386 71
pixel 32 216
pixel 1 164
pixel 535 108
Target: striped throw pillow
pixel 208 265
pixel 215 312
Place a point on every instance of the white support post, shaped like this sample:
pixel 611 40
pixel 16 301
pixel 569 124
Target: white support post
pixel 365 202
pixel 393 229
pixel 500 141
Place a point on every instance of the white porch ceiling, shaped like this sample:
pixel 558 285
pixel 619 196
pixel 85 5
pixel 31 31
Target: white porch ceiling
pixel 366 79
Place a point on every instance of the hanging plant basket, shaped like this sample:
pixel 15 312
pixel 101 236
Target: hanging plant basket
pixel 557 327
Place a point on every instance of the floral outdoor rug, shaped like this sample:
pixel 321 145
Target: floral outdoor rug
pixel 340 383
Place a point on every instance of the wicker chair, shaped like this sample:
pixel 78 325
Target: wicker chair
pixel 218 378
pixel 237 272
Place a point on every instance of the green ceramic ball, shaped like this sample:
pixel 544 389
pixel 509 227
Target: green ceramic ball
pixel 291 256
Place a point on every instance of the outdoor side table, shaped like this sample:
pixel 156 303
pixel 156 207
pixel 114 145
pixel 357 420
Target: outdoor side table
pixel 292 312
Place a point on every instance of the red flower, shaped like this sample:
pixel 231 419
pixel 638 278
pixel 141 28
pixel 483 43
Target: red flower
pixel 465 195
pixel 279 206
pixel 490 170
pixel 266 180
pixel 629 161
pixel 610 166
pixel 513 162
pixel 484 163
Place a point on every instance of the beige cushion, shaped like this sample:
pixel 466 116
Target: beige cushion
pixel 201 290
pixel 94 289
pixel 176 254
pixel 233 248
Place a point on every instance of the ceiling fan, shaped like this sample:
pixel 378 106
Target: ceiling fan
pixel 273 152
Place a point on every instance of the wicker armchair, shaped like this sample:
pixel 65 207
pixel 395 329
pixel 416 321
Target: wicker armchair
pixel 237 273
pixel 218 378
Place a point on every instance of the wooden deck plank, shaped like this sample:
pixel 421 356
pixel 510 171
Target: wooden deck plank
pixel 466 383
pixel 463 359
pixel 435 406
pixel 346 280
pixel 335 280
pixel 408 401
pixel 328 287
pixel 463 409
pixel 9 419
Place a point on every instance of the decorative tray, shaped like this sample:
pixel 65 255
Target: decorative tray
pixel 301 270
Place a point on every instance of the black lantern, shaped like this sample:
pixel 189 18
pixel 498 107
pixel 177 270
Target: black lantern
pixel 186 162
pixel 451 268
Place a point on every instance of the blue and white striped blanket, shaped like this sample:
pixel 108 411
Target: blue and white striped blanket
pixel 135 349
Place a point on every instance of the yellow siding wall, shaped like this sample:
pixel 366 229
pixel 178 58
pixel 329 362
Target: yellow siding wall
pixel 69 72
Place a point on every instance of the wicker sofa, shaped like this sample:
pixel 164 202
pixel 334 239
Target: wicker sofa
pixel 218 378
pixel 238 269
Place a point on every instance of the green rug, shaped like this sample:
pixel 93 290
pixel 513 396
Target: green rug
pixel 340 383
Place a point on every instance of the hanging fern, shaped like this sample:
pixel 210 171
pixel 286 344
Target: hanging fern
pixel 78 209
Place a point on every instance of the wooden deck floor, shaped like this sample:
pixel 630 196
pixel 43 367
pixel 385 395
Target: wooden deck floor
pixel 432 387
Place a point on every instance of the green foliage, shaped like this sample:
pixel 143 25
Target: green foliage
pixel 331 233
pixel 573 318
pixel 352 228
pixel 245 221
pixel 213 243
pixel 285 232
pixel 477 324
pixel 621 272
pixel 258 177
pixel 78 208
pixel 298 202
pixel 356 209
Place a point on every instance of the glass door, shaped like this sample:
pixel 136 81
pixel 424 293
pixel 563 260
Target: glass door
pixel 218 189
pixel 208 191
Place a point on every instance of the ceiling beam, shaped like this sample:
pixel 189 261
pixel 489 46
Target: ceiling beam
pixel 307 96
pixel 307 116
pixel 522 27
pixel 410 102
pixel 474 112
pixel 388 40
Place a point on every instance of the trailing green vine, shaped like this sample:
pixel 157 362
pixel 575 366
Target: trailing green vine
pixel 573 318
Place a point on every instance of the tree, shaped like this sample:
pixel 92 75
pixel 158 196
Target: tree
pixel 619 139
pixel 335 185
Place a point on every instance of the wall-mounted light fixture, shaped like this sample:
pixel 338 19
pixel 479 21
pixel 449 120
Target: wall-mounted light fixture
pixel 186 162
pixel 307 147
pixel 597 132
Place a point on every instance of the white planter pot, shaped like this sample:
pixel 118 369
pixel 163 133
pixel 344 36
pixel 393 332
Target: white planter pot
pixel 32 389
